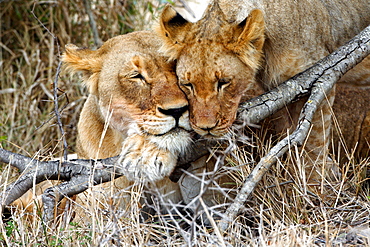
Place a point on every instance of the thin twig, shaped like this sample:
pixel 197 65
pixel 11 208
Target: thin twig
pixel 57 113
pixel 43 26
pixel 56 104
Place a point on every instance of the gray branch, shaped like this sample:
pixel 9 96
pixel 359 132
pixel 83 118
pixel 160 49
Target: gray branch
pixel 58 113
pixel 78 174
pixel 320 78
pixel 53 170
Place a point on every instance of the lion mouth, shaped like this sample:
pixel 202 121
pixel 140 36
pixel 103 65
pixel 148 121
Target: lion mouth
pixel 174 131
pixel 177 140
pixel 211 134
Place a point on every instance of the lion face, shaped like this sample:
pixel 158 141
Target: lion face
pixel 145 97
pixel 215 89
pixel 133 91
pixel 216 64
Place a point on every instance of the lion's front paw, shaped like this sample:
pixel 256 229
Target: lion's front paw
pixel 143 160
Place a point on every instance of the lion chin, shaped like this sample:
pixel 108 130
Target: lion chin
pixel 176 140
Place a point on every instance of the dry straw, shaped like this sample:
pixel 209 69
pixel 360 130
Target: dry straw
pixel 281 211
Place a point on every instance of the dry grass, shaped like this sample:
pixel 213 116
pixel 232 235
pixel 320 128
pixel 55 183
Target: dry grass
pixel 33 35
pixel 282 211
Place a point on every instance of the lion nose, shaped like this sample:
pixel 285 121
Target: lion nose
pixel 176 113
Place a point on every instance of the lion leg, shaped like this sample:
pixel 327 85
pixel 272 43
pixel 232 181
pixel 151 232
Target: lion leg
pixel 351 129
pixel 352 112
pixel 351 120
pixel 163 197
pixel 125 198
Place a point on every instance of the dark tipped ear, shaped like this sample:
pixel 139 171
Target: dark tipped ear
pixel 171 21
pixel 172 29
pixel 87 61
pixel 250 38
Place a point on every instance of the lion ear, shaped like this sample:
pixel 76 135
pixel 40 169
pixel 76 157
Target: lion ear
pixel 250 35
pixel 84 60
pixel 172 29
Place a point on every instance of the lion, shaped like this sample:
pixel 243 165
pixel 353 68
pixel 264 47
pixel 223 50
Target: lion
pixel 133 99
pixel 238 51
pixel 134 109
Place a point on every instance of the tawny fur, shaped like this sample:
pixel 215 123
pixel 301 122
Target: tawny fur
pixel 131 87
pixel 238 50
pixel 132 91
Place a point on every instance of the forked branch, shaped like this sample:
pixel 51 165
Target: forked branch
pixel 318 80
pixel 77 174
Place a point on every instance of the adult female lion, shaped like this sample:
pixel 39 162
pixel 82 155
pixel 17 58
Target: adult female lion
pixel 134 105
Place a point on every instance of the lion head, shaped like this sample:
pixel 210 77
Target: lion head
pixel 134 102
pixel 216 64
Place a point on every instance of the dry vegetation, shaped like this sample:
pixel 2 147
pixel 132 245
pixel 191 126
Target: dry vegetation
pixel 282 212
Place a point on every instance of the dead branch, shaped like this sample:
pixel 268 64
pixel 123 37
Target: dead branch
pixel 52 170
pixel 57 112
pixel 320 78
pixel 79 174
pixel 55 89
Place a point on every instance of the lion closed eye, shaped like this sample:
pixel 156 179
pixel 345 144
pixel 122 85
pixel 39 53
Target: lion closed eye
pixel 239 50
pixel 134 108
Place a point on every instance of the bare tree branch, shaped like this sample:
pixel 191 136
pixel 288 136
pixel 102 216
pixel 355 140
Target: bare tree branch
pixel 52 170
pixel 55 89
pixel 57 112
pixel 321 78
pixel 318 80
pixel 77 175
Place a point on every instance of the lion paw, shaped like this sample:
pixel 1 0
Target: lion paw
pixel 142 160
